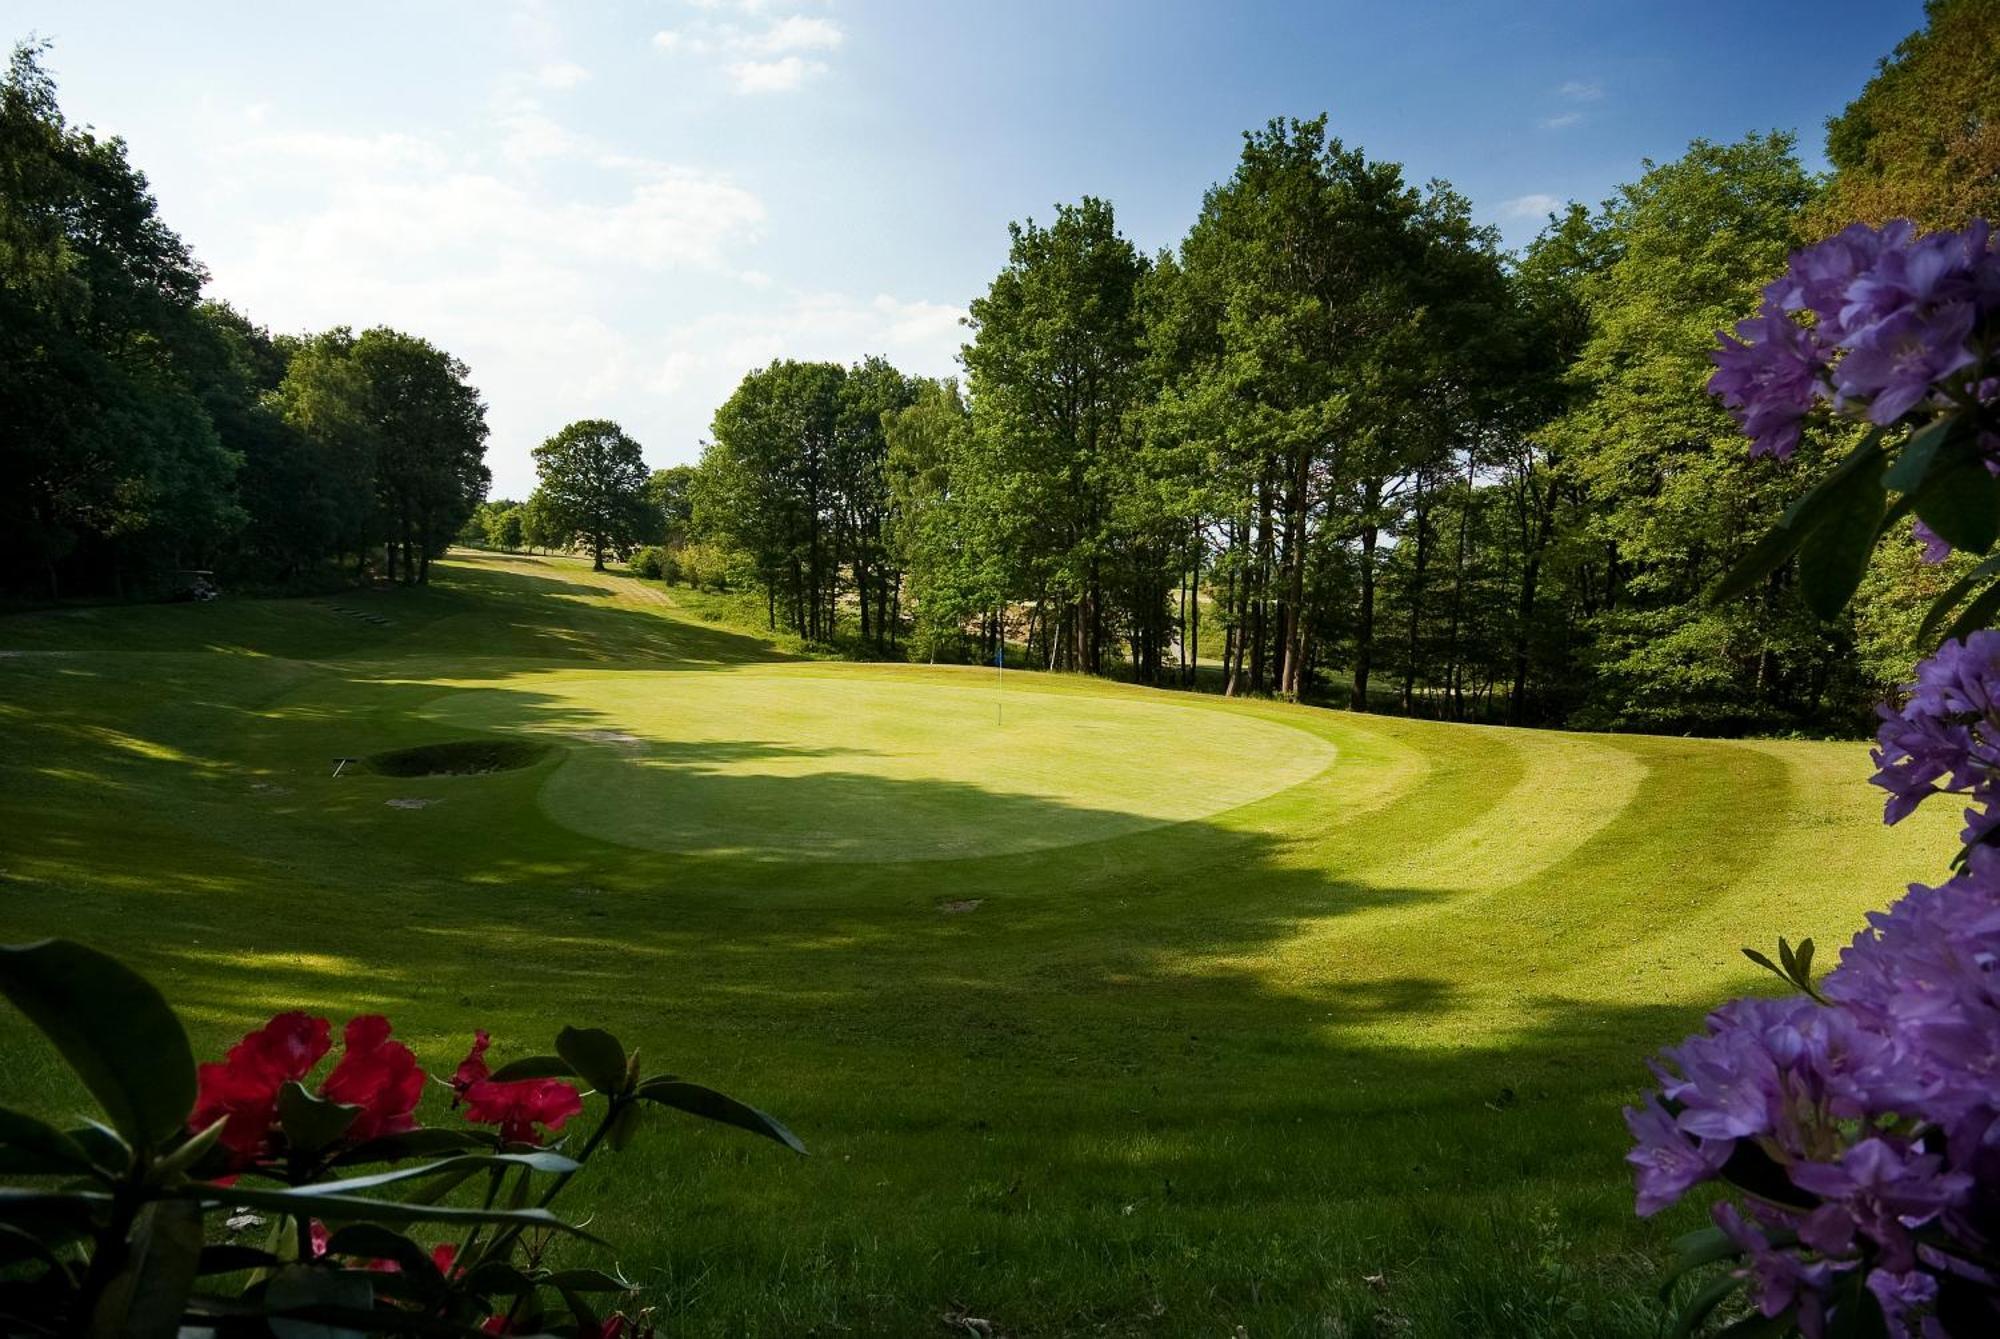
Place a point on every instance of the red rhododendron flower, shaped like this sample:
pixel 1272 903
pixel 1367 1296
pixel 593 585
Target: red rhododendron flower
pixel 517 1108
pixel 379 1076
pixel 244 1086
pixel 375 1074
pixel 472 1069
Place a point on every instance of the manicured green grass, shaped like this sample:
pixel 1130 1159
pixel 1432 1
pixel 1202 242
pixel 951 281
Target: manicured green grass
pixel 1266 1016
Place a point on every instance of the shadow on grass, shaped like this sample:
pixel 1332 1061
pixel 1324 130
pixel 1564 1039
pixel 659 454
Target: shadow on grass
pixel 1118 1096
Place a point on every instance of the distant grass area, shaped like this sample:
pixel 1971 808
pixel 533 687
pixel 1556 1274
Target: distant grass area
pixel 1126 1013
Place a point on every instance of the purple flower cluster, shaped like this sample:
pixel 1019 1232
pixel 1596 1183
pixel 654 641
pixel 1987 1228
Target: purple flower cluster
pixel 1861 1119
pixel 1895 324
pixel 1877 1112
pixel 1946 738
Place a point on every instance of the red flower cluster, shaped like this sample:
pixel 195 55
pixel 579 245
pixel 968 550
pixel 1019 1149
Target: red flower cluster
pixel 244 1087
pixel 378 1075
pixel 517 1107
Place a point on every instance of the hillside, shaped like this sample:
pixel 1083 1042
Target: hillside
pixel 1100 1008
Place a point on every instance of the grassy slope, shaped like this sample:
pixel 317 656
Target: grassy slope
pixel 1346 1059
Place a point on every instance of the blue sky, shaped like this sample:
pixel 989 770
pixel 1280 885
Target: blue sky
pixel 617 209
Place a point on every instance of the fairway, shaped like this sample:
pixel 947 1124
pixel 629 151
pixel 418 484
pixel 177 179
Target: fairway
pixel 1102 1010
pixel 819 766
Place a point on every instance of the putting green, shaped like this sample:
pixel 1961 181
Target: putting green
pixel 792 764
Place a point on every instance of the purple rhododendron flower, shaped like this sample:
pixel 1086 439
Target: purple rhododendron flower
pixel 1769 374
pixel 1669 1161
pixel 1946 737
pixel 1875 1094
pixel 1891 367
pixel 1880 320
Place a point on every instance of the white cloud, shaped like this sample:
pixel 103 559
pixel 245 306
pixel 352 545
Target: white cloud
pixel 573 277
pixel 1532 206
pixel 796 33
pixel 773 76
pixel 771 56
pixel 1562 122
pixel 561 75
pixel 1580 90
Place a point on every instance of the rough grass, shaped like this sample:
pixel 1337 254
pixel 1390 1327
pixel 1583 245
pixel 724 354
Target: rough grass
pixel 1307 1049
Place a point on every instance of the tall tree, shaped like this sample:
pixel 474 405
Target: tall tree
pixel 593 488
pixel 769 487
pixel 1922 141
pixel 399 412
pixel 1672 499
pixel 670 499
pixel 1054 374
pixel 112 465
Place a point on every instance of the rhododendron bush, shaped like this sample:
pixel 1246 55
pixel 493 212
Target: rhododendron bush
pixel 1858 1120
pixel 291 1190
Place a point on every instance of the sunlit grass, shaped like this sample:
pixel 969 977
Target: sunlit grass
pixel 1309 1023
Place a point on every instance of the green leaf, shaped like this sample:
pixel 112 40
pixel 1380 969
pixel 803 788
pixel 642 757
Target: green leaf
pixel 145 1299
pixel 1766 556
pixel 1913 463
pixel 1762 1327
pixel 228 1258
pixel 596 1057
pixel 305 1288
pixel 29 1147
pixel 533 1067
pixel 415 1144
pixel 1765 963
pixel 498 1278
pixel 1956 592
pixel 311 1122
pixel 113 1028
pixel 712 1105
pixel 1976 615
pixel 178 1162
pixel 589 1281
pixel 1698 1307
pixel 1835 555
pixel 359 1209
pixel 1698 1248
pixel 17 1245
pixel 624 1127
pixel 371 1241
pixel 1961 503
pixel 540 1162
pixel 74 1210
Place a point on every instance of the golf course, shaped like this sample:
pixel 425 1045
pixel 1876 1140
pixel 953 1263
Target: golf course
pixel 1101 1009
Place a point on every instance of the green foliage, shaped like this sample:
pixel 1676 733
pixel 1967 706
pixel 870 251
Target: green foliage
pixel 650 561
pixel 592 494
pixel 114 469
pixel 151 432
pixel 1053 367
pixel 125 1250
pixel 1279 961
pixel 1922 141
pixel 795 481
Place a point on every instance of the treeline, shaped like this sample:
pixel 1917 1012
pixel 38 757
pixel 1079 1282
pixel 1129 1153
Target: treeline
pixel 146 434
pixel 1338 444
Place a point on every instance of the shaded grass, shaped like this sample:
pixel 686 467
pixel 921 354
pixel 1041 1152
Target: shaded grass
pixel 1343 1059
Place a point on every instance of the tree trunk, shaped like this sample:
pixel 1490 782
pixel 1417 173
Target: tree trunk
pixel 1364 629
